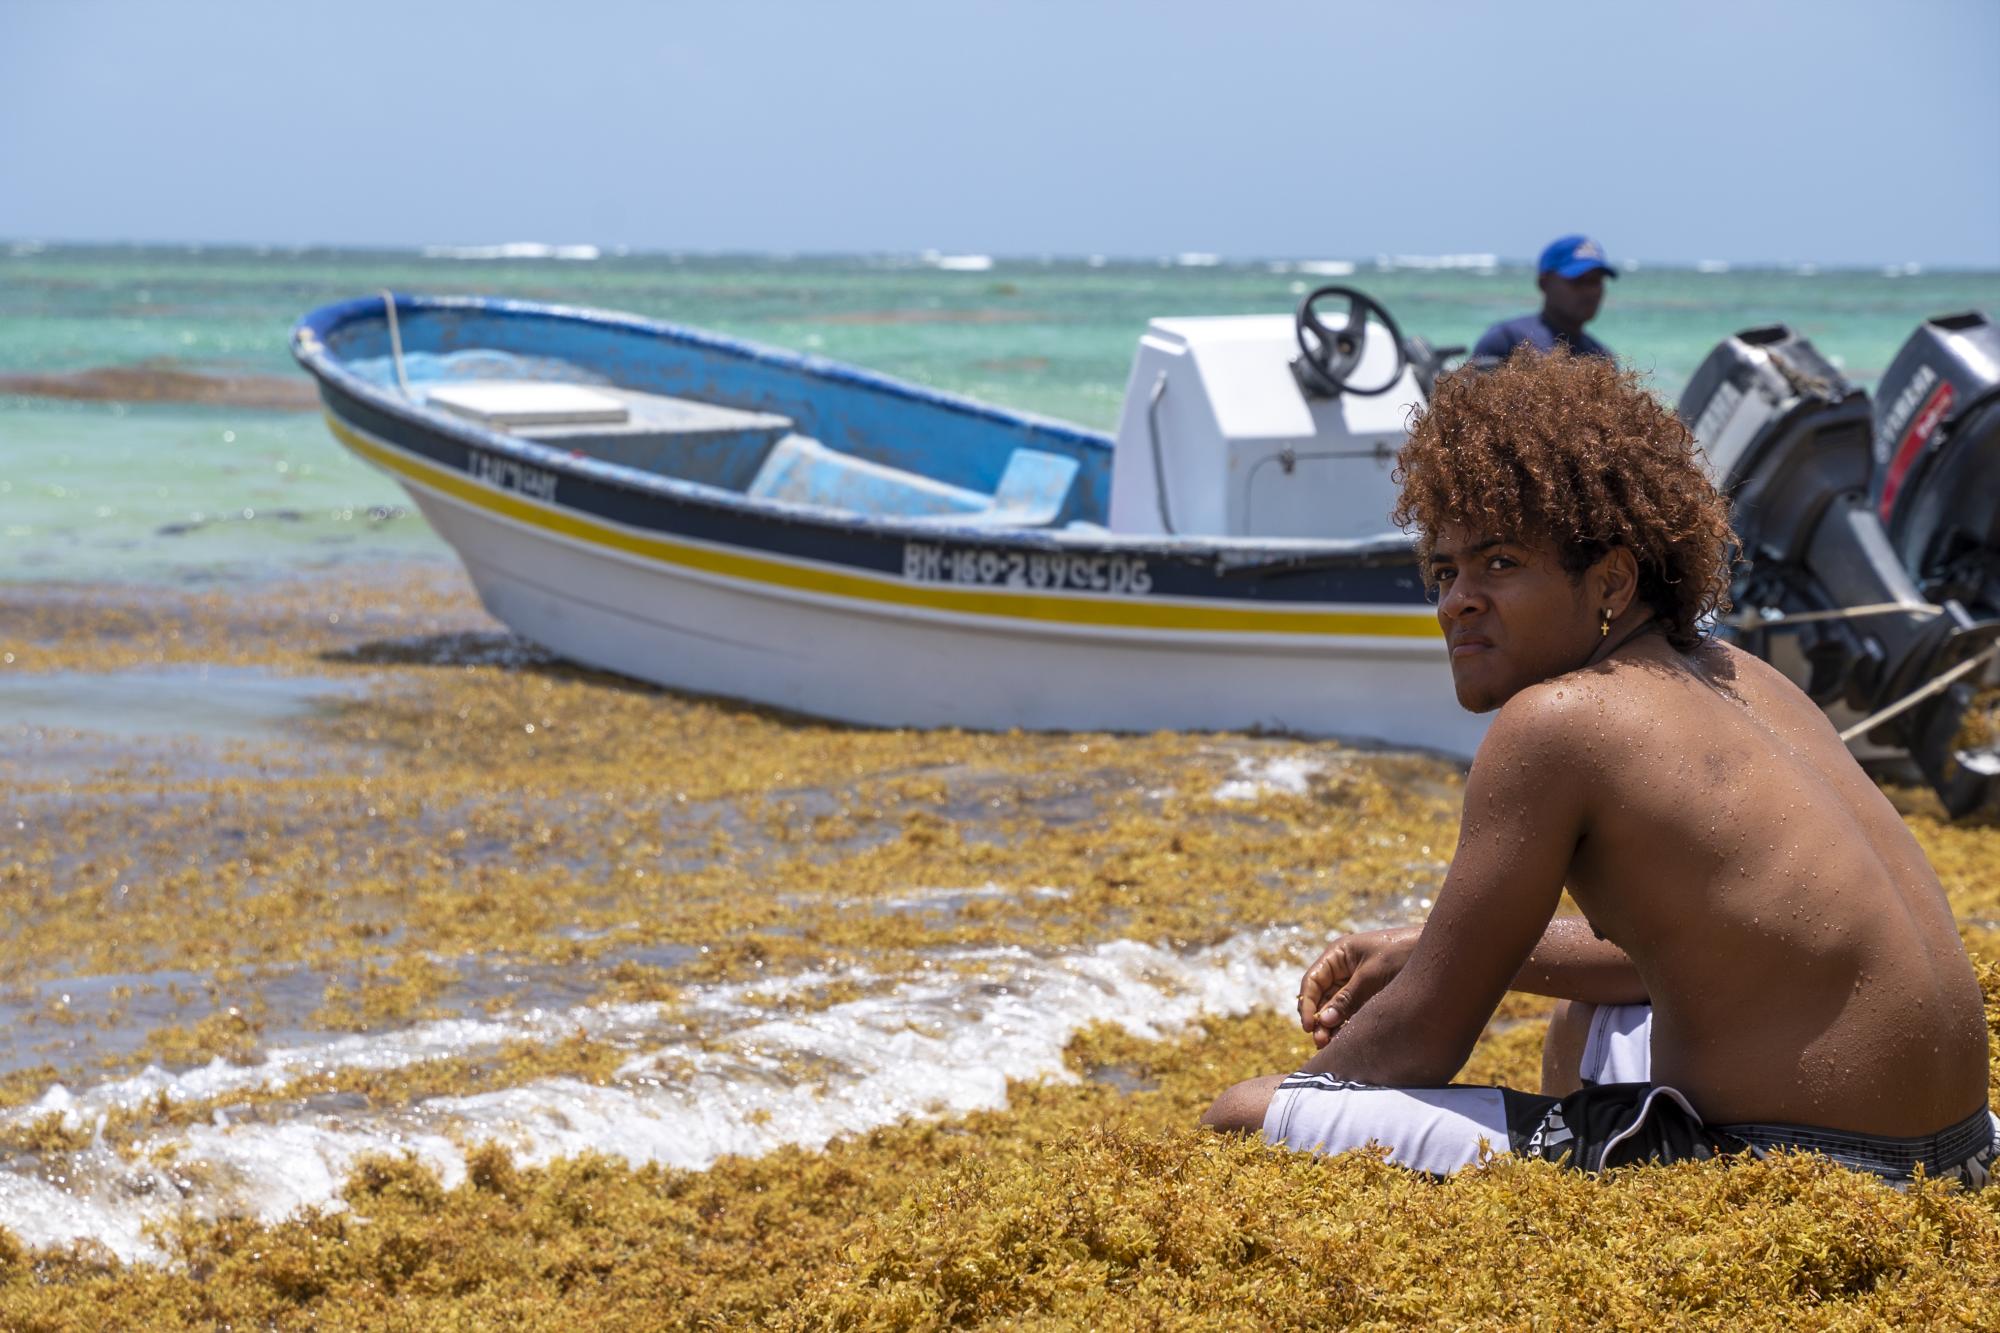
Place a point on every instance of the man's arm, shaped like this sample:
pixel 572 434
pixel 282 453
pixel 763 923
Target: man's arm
pixel 1573 963
pixel 1525 811
pixel 1569 962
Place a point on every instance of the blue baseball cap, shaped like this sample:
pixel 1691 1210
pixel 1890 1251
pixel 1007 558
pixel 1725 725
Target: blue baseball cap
pixel 1574 256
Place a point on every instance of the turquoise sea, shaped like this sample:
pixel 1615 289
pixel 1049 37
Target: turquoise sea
pixel 110 482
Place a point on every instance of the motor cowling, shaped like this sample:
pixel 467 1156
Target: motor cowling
pixel 1789 441
pixel 1936 484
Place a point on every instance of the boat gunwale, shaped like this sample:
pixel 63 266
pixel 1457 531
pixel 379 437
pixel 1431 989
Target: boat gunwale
pixel 1244 555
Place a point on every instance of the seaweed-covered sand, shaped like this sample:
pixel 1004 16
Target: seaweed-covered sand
pixel 366 965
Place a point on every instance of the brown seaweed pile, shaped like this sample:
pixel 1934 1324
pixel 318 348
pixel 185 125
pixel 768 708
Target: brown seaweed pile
pixel 1080 1206
pixel 482 812
pixel 165 382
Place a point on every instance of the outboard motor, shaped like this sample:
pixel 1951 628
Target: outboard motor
pixel 1821 594
pixel 1937 459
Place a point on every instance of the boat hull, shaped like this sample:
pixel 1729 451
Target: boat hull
pixel 888 666
pixel 912 625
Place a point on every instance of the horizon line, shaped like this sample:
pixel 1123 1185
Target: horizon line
pixel 572 252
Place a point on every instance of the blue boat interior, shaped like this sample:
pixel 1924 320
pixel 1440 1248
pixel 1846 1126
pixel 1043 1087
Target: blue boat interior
pixel 720 413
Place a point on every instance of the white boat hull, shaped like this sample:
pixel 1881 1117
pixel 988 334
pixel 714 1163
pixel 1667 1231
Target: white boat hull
pixel 862 662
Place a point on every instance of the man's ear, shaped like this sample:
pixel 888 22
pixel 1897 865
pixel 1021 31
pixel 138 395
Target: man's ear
pixel 1615 579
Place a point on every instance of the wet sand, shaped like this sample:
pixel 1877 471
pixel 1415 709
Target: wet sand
pixel 548 995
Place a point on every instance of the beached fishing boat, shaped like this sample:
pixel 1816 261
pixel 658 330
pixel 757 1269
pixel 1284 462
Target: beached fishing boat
pixel 713 515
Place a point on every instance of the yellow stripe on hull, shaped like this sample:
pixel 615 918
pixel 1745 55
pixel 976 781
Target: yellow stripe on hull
pixel 998 604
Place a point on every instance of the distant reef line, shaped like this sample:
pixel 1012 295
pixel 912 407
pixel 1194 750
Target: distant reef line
pixel 150 383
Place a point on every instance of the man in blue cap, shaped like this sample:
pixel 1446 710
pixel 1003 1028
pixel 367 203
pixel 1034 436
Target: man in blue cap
pixel 1572 272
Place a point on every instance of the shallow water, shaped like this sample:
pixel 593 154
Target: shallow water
pixel 159 490
pixel 146 493
pixel 706 1076
pixel 215 703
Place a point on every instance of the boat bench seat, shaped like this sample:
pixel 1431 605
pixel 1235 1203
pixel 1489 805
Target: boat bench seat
pixel 803 471
pixel 667 436
pixel 1032 492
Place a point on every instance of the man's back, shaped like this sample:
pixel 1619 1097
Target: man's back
pixel 1730 840
pixel 1499 341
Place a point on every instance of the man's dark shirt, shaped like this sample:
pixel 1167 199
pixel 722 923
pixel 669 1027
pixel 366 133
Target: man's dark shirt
pixel 1505 336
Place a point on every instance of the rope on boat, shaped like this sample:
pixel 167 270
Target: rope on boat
pixel 395 340
pixel 1937 683
pixel 1923 692
pixel 1751 621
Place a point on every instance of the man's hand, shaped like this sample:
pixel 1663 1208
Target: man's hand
pixel 1353 968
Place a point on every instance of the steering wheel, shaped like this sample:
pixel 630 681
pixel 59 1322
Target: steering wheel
pixel 1326 361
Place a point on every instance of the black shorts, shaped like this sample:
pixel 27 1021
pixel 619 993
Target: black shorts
pixel 1440 1130
pixel 1605 1124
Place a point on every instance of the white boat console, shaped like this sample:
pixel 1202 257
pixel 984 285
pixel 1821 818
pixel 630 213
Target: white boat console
pixel 1222 436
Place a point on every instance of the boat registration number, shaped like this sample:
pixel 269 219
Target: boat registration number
pixel 511 476
pixel 927 562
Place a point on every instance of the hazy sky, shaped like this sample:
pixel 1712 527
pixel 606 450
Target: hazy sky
pixel 1836 131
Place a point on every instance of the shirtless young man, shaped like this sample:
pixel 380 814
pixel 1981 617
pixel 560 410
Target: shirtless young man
pixel 1765 959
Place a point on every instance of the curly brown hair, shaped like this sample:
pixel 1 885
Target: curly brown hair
pixel 1573 450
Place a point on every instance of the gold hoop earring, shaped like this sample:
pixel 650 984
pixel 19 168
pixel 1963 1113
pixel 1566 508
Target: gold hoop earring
pixel 1604 630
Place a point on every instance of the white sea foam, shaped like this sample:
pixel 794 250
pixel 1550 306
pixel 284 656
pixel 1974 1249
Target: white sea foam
pixel 1477 262
pixel 512 250
pixel 1197 259
pixel 382 1051
pixel 957 263
pixel 1711 266
pixel 936 899
pixel 1290 775
pixel 714 1074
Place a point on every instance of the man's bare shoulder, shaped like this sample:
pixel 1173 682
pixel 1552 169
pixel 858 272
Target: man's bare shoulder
pixel 1576 723
pixel 1633 718
pixel 1543 727
pixel 1758 690
pixel 1779 707
pixel 1728 664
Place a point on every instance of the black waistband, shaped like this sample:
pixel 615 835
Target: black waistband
pixel 1939 1153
